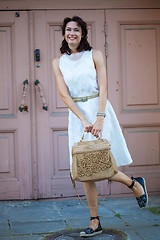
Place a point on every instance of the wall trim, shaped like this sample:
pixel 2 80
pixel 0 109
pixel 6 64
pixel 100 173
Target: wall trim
pixel 80 5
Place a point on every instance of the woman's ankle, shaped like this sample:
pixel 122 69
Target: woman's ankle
pixel 137 189
pixel 94 224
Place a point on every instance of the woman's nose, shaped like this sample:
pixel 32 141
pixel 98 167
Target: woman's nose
pixel 72 31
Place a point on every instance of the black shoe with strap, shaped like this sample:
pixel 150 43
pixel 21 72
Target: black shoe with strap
pixel 143 199
pixel 89 232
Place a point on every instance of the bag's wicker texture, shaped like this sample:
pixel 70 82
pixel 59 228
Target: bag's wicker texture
pixel 92 161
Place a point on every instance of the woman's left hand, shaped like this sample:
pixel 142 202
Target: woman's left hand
pixel 98 127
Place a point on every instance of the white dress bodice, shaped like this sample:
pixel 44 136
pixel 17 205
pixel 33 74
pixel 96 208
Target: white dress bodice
pixel 79 75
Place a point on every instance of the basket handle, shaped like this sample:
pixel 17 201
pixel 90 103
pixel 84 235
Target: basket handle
pixel 82 138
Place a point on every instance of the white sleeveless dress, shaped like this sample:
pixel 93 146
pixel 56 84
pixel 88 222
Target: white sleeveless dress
pixel 81 79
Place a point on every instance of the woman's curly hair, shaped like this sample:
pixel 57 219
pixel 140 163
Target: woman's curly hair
pixel 84 44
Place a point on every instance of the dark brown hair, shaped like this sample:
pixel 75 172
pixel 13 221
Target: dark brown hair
pixel 84 44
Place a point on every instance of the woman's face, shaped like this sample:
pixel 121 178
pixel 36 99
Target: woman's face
pixel 73 34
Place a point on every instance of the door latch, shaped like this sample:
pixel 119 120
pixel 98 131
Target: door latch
pixel 37 55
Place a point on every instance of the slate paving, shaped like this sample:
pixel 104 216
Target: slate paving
pixel 43 219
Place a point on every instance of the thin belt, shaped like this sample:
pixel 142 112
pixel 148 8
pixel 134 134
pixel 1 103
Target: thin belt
pixel 85 98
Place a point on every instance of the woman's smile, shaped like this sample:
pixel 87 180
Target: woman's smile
pixel 72 38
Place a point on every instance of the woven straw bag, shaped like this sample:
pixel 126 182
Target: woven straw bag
pixel 92 161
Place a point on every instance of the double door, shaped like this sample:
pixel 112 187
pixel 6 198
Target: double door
pixel 34 157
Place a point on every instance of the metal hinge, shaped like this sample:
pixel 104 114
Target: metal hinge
pixel 105 34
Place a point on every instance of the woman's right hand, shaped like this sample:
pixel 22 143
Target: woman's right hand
pixel 87 125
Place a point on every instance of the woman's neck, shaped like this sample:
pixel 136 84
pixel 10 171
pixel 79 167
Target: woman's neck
pixel 73 49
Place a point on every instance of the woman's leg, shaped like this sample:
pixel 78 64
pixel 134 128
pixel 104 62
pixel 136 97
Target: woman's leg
pixel 92 195
pixel 121 177
pixel 92 199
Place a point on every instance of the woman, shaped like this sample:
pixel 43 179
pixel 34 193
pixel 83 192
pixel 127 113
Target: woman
pixel 81 80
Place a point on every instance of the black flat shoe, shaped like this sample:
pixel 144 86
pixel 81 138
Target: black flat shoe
pixel 89 232
pixel 143 199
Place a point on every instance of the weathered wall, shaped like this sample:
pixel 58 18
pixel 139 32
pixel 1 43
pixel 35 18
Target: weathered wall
pixel 72 4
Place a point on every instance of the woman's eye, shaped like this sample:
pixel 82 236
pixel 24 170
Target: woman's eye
pixel 69 29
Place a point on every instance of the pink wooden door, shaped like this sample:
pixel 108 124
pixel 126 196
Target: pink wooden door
pixel 134 88
pixel 52 137
pixel 15 145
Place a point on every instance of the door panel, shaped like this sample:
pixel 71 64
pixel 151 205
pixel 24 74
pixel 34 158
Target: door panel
pixel 134 88
pixel 6 90
pixel 15 146
pixel 139 59
pixel 53 152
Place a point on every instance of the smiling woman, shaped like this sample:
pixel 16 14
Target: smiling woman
pixel 85 79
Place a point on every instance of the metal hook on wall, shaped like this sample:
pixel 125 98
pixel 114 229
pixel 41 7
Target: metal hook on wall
pixel 44 104
pixel 24 107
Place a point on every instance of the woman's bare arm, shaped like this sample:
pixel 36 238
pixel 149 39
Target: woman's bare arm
pixel 102 84
pixel 63 90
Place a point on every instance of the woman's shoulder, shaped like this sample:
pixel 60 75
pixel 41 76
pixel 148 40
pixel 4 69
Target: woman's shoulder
pixel 97 53
pixel 55 64
pixel 97 56
pixel 56 60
